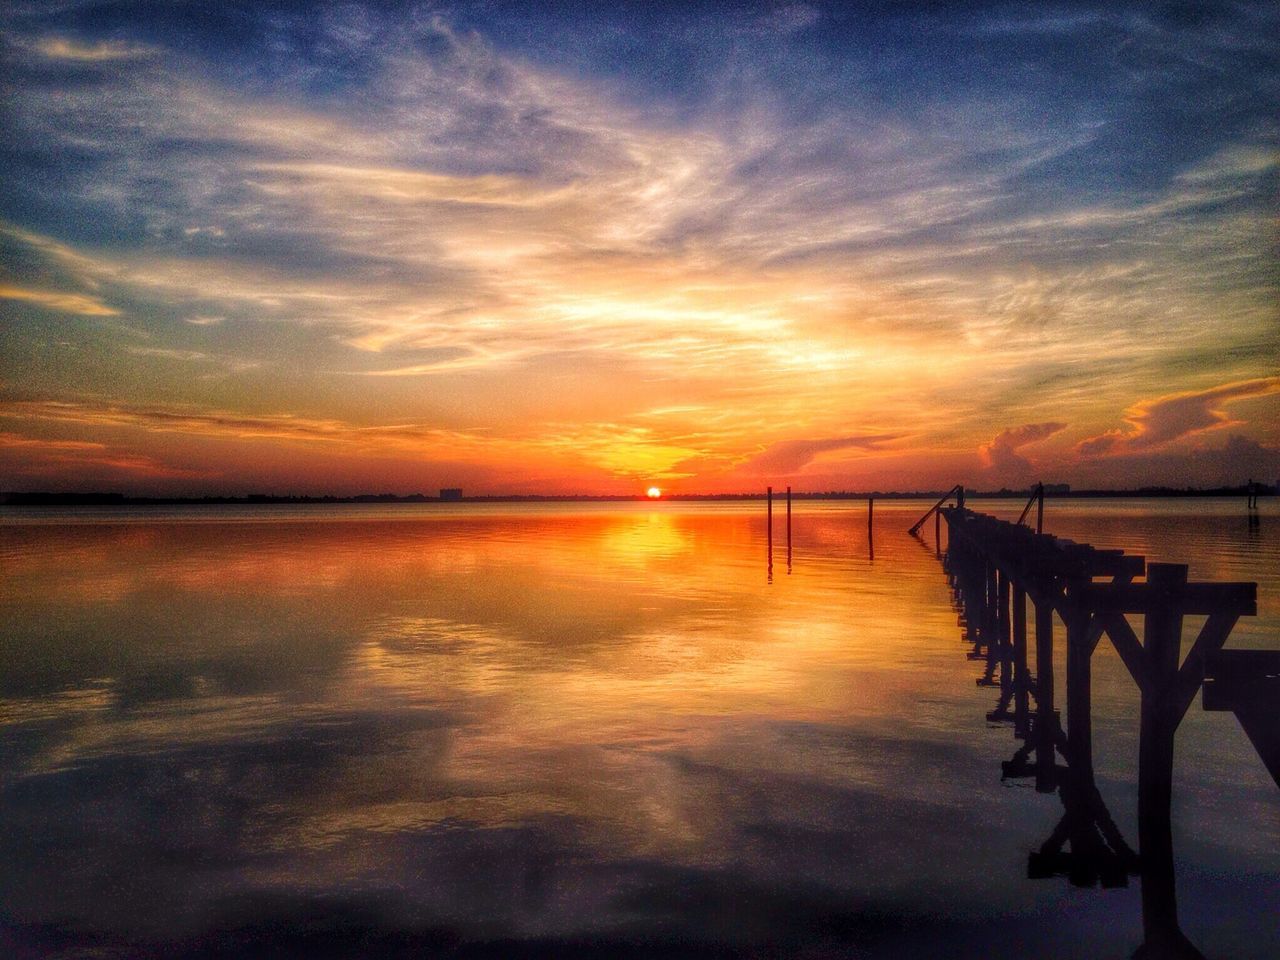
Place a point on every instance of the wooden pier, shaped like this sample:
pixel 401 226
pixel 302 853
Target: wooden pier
pixel 995 567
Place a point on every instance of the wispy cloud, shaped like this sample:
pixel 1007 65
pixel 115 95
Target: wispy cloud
pixel 61 48
pixel 226 424
pixel 57 300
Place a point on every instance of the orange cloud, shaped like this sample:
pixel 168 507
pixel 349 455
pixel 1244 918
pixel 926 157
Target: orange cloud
pixel 1001 454
pixel 1157 422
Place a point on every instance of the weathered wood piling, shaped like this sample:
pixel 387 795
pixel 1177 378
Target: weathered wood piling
pixel 788 529
pixel 769 527
pixel 871 530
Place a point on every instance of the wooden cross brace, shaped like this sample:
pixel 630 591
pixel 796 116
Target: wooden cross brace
pixel 1164 599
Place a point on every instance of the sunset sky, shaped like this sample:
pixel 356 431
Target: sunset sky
pixel 557 248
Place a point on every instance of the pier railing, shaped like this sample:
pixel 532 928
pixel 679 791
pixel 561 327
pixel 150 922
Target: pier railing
pixel 1037 498
pixel 957 491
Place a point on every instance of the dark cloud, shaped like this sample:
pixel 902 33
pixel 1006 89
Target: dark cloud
pixel 1238 460
pixel 1098 445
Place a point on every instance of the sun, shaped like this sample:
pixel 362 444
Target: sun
pixel 653 493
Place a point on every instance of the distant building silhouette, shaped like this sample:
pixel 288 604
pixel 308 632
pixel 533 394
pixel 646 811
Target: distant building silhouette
pixel 451 493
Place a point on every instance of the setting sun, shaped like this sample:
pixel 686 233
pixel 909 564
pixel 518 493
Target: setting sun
pixel 653 493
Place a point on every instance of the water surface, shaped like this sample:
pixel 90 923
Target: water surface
pixel 574 729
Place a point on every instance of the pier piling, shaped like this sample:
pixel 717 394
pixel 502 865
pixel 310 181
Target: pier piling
pixel 1021 682
pixel 871 530
pixel 1162 640
pixel 768 496
pixel 1046 716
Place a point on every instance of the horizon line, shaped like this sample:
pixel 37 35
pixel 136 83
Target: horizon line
pixel 108 498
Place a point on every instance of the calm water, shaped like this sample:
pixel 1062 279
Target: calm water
pixel 568 730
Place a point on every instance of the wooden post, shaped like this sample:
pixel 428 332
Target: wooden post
pixel 1079 686
pixel 1021 694
pixel 871 535
pixel 937 532
pixel 1040 510
pixel 991 616
pixel 1003 634
pixel 1162 643
pixel 1045 719
pixel 788 529
pixel 769 526
pixel 1080 781
pixel 1080 787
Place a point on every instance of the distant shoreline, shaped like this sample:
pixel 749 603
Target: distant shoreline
pixel 50 499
